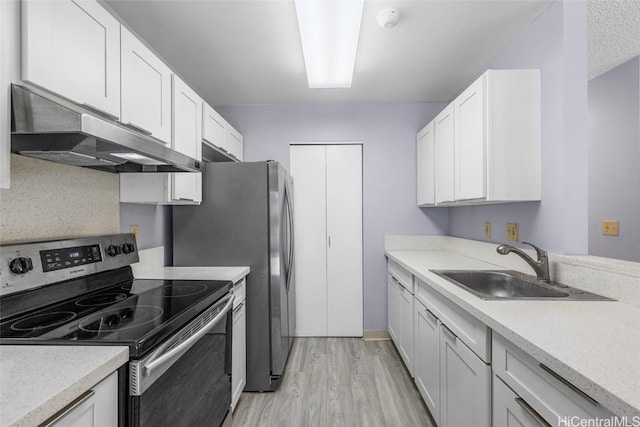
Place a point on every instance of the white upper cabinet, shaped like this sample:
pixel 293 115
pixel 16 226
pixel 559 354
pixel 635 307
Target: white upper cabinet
pixel 214 128
pixel 187 139
pixel 236 143
pixel 426 186
pixel 444 149
pixel 146 89
pixel 469 147
pixel 72 48
pixel 178 188
pixel 488 142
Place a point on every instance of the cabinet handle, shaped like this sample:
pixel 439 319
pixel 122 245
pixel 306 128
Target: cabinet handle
pixel 528 409
pixel 430 314
pixel 73 405
pixel 568 384
pixel 235 310
pixel 100 111
pixel 137 128
pixel 448 332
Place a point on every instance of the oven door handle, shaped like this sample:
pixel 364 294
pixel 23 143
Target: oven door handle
pixel 178 351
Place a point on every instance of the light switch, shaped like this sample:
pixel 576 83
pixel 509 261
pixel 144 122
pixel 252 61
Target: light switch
pixel 136 231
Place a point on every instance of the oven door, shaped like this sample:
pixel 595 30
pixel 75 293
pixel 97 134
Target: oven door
pixel 187 380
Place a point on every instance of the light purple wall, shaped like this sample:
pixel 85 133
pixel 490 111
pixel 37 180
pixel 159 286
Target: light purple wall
pixel 155 223
pixel 614 159
pixel 388 133
pixel 555 43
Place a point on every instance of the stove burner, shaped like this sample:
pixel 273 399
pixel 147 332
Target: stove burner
pixel 103 299
pixel 126 287
pixel 121 318
pixel 177 290
pixel 42 321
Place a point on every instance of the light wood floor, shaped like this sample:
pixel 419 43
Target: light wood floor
pixel 338 382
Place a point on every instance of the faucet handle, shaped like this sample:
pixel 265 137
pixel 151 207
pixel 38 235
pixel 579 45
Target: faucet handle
pixel 540 252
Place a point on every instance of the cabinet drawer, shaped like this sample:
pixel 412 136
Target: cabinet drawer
pixel 404 277
pixel 549 396
pixel 510 410
pixel 239 292
pixel 475 334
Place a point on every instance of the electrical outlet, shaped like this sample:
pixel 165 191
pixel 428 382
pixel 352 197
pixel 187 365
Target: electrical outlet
pixel 487 230
pixel 610 228
pixel 512 232
pixel 136 231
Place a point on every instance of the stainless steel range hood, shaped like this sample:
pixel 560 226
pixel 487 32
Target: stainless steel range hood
pixel 62 132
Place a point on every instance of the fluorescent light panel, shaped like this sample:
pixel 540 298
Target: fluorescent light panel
pixel 329 31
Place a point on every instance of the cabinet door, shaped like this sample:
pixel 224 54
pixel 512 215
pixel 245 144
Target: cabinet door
pixel 427 359
pixel 310 233
pixel 465 387
pixel 393 309
pixel 444 147
pixel 7 55
pixel 235 142
pixel 344 240
pixel 214 128
pixel 509 410
pixel 146 89
pixel 470 144
pixel 98 409
pixel 239 354
pixel 187 139
pixel 405 308
pixel 425 170
pixel 72 48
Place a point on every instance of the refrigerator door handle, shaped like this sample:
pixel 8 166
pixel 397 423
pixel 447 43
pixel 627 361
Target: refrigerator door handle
pixel 290 236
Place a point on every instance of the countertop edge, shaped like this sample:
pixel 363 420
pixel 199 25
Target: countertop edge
pixel 605 397
pixel 48 408
pixel 233 274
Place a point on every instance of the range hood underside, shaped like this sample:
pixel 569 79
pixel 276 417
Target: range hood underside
pixel 61 132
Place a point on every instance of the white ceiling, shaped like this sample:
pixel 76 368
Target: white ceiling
pixel 248 52
pixel 613 34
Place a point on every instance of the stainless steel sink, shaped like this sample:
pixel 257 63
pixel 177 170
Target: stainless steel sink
pixel 513 285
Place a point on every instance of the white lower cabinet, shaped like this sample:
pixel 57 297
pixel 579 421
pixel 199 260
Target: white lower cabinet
pixel 543 390
pixel 451 369
pixel 96 408
pixel 510 410
pixel 465 384
pixel 393 313
pixel 405 308
pixel 401 304
pixel 239 343
pixel 427 358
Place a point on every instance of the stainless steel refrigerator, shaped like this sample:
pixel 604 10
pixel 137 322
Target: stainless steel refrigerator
pixel 246 219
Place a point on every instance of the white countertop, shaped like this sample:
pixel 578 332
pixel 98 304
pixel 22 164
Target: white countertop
pixel 593 344
pixel 196 273
pixel 38 381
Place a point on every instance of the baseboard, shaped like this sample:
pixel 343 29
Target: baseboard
pixel 376 335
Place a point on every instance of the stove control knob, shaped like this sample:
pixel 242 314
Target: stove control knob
pixel 127 248
pixel 20 265
pixel 113 250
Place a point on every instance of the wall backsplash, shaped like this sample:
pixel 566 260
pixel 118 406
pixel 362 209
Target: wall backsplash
pixel 49 200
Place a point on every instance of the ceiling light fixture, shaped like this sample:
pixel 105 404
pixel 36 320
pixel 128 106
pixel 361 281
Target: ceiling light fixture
pixel 329 32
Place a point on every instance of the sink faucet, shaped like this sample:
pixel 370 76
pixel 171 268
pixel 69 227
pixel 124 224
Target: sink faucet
pixel 541 266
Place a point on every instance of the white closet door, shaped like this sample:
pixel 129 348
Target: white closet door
pixel 309 182
pixel 344 240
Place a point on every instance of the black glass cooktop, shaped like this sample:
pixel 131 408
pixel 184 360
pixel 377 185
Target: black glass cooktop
pixel 138 313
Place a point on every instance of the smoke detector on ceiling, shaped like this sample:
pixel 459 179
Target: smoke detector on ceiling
pixel 388 18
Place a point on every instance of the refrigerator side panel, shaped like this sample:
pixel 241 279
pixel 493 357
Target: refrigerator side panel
pixel 230 228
